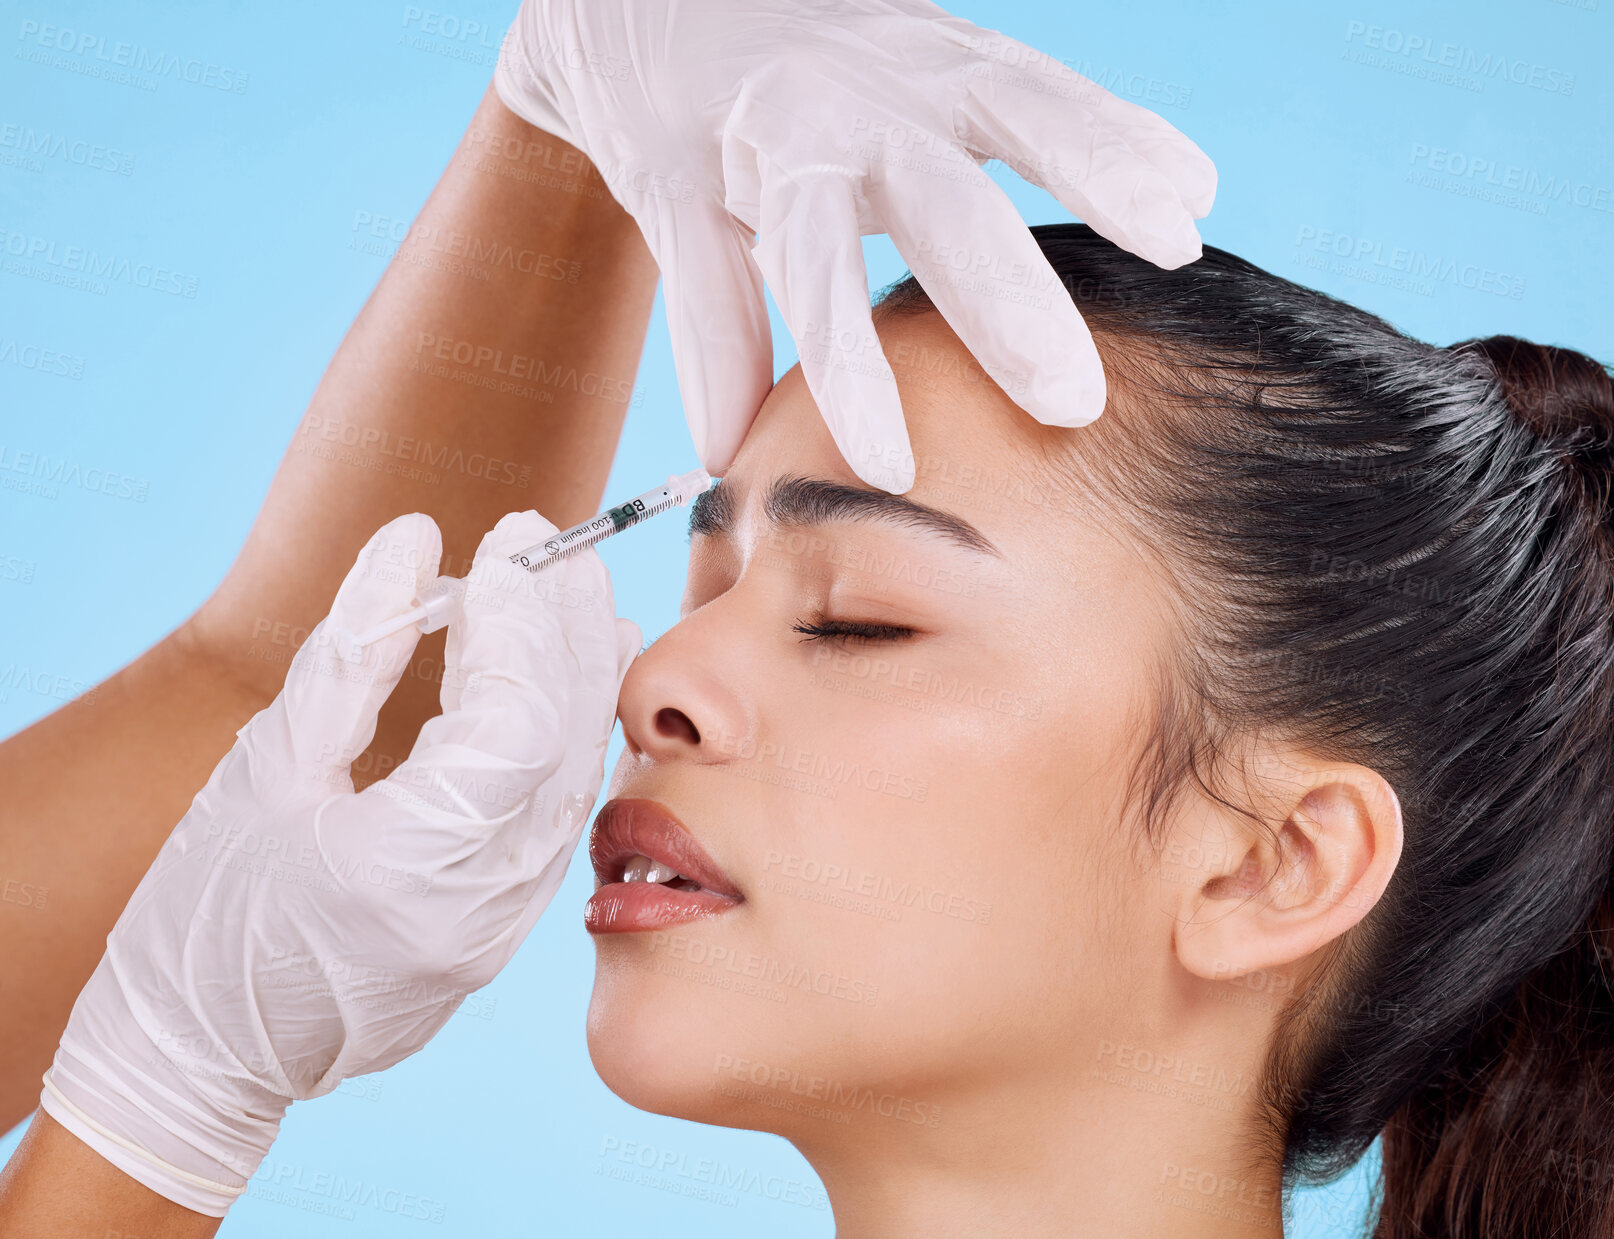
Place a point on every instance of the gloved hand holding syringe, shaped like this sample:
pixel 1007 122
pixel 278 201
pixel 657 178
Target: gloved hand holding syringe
pixel 438 603
pixel 295 931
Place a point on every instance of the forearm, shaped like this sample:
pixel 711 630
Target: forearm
pixel 91 792
pixel 93 789
pixel 55 1187
pixel 458 396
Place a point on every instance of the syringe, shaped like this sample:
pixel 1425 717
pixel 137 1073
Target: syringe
pixel 678 490
pixel 439 602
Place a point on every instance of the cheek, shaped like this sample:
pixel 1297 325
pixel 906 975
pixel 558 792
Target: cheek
pixel 909 850
pixel 935 881
pixel 988 888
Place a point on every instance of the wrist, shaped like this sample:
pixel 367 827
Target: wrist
pixel 199 1193
pixel 174 1112
pixel 55 1184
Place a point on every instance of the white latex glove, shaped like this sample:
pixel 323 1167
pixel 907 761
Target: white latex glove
pixel 812 123
pixel 292 933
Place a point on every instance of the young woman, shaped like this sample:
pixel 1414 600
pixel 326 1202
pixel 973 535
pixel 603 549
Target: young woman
pixel 1141 817
pixel 1128 822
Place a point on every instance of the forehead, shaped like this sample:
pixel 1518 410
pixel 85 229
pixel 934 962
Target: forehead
pixel 1067 556
pixel 975 452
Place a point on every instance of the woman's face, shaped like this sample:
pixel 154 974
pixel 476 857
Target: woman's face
pixel 924 821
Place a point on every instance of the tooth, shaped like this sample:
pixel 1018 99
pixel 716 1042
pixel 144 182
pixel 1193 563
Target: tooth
pixel 642 869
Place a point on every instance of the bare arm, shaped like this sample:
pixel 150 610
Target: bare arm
pixel 489 372
pixel 57 1187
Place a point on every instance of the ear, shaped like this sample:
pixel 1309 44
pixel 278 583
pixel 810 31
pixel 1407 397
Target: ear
pixel 1267 892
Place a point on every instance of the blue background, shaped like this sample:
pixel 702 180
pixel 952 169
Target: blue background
pixel 1336 148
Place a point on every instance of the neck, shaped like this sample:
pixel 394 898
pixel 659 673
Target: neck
pixel 1135 1149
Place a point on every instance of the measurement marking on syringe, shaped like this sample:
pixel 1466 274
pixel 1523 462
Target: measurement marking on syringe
pixel 612 520
pixel 439 602
pixel 597 530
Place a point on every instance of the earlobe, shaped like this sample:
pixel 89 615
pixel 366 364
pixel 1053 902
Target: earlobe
pixel 1271 893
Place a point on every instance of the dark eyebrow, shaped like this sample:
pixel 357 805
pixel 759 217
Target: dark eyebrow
pixel 818 501
pixel 712 513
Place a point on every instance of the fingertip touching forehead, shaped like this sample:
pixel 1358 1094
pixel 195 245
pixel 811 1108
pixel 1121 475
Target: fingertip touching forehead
pixel 985 471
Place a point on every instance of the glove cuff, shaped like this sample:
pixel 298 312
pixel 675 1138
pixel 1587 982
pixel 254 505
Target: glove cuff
pixel 520 86
pixel 194 1192
pixel 115 1090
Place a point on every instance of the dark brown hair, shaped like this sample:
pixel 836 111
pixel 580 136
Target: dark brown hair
pixel 1407 555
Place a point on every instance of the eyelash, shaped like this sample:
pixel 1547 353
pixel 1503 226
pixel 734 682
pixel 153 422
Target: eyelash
pixel 821 629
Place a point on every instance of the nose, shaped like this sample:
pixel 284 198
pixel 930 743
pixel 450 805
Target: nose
pixel 681 700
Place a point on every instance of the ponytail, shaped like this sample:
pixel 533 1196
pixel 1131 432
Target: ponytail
pixel 1515 1137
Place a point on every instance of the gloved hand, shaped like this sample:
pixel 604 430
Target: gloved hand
pixel 292 933
pixel 810 124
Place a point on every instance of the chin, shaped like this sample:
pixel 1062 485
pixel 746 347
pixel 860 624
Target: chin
pixel 663 1042
pixel 708 1050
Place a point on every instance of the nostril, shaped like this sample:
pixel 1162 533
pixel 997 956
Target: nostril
pixel 675 725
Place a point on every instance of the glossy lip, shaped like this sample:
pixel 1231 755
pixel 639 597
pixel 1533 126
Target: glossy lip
pixel 625 828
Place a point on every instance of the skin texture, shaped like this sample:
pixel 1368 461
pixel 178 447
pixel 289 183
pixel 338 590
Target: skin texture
pixel 56 1187
pixel 1061 1035
pixel 95 788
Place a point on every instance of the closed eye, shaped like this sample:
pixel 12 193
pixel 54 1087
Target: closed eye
pixel 851 631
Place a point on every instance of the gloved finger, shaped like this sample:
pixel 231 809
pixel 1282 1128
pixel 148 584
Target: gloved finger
pixel 510 858
pixel 629 645
pixel 594 702
pixel 973 254
pixel 811 255
pixel 1176 156
pixel 1150 135
pixel 329 704
pixel 1083 155
pixel 529 855
pixel 508 690
pixel 718 320
pixel 526 868
pixel 1171 152
pixel 601 654
pixel 594 679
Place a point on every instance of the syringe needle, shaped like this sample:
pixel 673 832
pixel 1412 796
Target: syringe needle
pixel 439 602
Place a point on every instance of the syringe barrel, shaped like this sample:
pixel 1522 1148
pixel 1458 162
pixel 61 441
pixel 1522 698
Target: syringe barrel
pixel 678 489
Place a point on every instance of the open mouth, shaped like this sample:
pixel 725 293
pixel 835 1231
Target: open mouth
pixel 651 872
pixel 643 869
